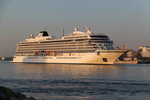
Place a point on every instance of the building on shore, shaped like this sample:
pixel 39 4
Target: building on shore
pixel 143 55
pixel 2 58
pixel 6 58
pixel 144 51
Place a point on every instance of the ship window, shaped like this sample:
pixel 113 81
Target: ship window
pixel 105 59
pixel 99 36
pixel 98 53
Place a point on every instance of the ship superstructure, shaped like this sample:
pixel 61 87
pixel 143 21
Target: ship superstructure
pixel 78 47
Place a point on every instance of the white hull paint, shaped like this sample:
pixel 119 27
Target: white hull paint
pixel 105 57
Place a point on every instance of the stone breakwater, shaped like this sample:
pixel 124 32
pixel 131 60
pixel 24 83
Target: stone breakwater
pixel 8 94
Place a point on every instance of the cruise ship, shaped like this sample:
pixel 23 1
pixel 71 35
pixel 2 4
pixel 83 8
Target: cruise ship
pixel 79 47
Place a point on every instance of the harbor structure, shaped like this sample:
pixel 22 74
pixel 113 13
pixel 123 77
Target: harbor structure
pixel 128 58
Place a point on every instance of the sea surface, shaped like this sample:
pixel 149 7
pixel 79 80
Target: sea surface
pixel 77 82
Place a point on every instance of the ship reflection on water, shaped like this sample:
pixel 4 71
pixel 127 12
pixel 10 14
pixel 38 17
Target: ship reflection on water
pixel 59 71
pixel 77 82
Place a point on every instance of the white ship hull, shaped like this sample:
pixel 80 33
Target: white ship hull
pixel 104 57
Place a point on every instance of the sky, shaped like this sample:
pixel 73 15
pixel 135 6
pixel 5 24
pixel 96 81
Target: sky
pixel 126 22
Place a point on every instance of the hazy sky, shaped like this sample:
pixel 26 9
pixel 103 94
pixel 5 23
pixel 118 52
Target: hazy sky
pixel 124 21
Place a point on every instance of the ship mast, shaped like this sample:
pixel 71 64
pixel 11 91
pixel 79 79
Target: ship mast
pixel 63 32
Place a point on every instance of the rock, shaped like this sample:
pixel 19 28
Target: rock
pixel 19 96
pixel 5 93
pixel 8 94
pixel 31 98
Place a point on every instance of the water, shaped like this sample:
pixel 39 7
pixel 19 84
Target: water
pixel 77 82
